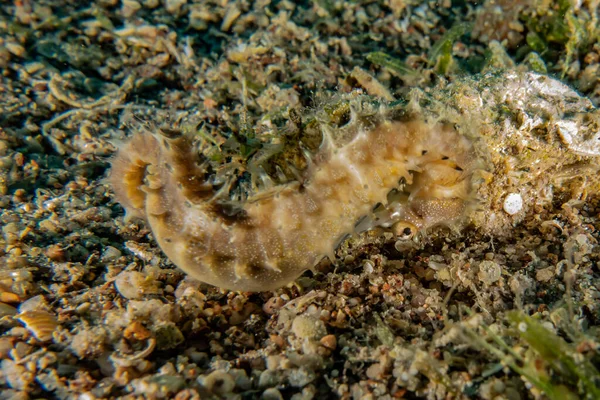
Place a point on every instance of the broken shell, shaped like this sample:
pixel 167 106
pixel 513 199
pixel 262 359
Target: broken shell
pixel 551 226
pixel 40 323
pixel 132 360
pixel 6 309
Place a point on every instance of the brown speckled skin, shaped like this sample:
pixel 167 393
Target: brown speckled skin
pixel 283 234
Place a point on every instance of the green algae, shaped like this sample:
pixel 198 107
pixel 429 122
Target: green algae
pixel 394 65
pixel 547 361
pixel 440 54
pixel 557 356
pixel 561 25
pixel 535 63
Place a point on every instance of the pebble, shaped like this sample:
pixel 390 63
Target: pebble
pixel 329 342
pixel 513 203
pixel 272 394
pixel 219 382
pixel 308 327
pixel 134 284
pixel 545 275
pixel 489 272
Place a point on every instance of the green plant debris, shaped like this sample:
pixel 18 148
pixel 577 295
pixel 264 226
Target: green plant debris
pixel 536 42
pixel 440 53
pixel 394 65
pixel 551 24
pixel 550 364
pixel 561 356
pixel 535 63
pixel 497 57
pixel 577 37
pixel 383 332
pixel 561 25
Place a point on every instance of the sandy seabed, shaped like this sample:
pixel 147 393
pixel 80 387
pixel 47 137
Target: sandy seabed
pixel 90 308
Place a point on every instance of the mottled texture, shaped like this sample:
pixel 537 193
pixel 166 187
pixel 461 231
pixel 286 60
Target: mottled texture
pixel 289 229
pixel 539 138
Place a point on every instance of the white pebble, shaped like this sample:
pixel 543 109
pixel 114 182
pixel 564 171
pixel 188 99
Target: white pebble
pixel 489 272
pixel 513 203
pixel 308 327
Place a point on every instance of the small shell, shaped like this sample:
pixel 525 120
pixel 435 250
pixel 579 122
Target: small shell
pixel 513 203
pixel 6 309
pixel 133 359
pixel 40 323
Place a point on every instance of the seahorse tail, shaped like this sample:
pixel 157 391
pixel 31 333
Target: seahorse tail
pixel 134 169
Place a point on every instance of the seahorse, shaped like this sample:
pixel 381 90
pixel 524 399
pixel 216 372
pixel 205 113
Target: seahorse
pixel 277 236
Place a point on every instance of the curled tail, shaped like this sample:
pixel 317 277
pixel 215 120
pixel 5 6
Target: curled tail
pixel 133 168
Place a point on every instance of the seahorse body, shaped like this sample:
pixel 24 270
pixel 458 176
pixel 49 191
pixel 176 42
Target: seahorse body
pixel 279 236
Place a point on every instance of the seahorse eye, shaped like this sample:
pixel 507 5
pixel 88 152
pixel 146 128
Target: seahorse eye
pixel 404 230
